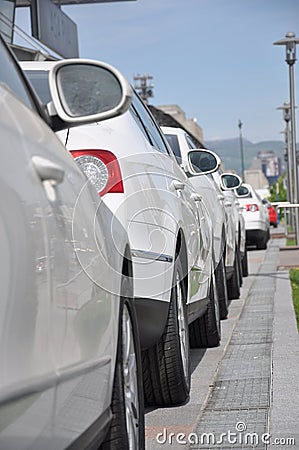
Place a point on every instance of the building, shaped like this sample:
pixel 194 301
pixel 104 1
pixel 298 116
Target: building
pixel 165 119
pixel 269 164
pixel 190 125
pixel 257 179
pixel 51 28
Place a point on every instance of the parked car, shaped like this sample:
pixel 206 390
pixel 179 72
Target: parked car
pixel 256 216
pixel 273 216
pixel 235 225
pixel 170 235
pixel 69 347
pixel 220 201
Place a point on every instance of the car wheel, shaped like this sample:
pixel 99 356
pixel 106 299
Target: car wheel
pixel 245 263
pixel 222 288
pixel 127 427
pixel 233 284
pixel 206 330
pixel 166 366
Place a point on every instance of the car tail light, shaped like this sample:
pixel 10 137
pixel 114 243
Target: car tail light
pixel 101 168
pixel 252 207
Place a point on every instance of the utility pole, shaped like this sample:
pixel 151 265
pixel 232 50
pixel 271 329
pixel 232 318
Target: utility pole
pixel 290 41
pixel 144 87
pixel 240 124
pixel 288 157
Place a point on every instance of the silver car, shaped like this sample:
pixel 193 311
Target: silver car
pixel 69 347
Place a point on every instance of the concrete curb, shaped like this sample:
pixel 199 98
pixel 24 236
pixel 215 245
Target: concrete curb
pixel 284 412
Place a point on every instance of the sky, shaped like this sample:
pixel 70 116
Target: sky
pixel 213 58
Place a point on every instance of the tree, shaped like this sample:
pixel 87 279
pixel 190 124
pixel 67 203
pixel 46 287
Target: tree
pixel 278 192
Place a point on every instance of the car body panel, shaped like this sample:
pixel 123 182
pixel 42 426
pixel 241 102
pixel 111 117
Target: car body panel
pixel 210 191
pixel 60 290
pixel 155 211
pixel 256 221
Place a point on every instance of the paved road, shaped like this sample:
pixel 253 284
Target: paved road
pixel 246 388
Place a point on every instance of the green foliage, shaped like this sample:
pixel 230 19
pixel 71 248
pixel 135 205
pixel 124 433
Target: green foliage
pixel 281 195
pixel 294 277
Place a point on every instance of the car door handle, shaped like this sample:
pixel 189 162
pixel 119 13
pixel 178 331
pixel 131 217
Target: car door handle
pixel 221 197
pixel 47 170
pixel 227 203
pixel 177 185
pixel 196 197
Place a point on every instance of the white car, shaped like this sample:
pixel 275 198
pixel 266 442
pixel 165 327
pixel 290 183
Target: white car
pixel 235 227
pixel 170 235
pixel 219 200
pixel 70 372
pixel 256 216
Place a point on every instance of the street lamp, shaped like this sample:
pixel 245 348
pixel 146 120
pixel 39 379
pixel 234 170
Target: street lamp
pixel 288 154
pixel 240 124
pixel 290 42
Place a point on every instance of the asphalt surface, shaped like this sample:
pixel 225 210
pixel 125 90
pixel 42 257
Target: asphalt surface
pixel 244 392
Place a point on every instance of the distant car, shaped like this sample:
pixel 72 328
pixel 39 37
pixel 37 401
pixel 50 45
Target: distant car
pixel 256 216
pixel 273 216
pixel 170 234
pixel 220 201
pixel 69 347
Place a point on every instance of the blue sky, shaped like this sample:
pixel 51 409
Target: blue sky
pixel 214 58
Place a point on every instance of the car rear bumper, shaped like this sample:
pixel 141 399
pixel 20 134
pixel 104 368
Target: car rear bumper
pixel 255 226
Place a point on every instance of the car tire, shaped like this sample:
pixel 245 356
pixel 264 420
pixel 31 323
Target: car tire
pixel 222 289
pixel 233 284
pixel 245 264
pixel 127 427
pixel 205 331
pixel 166 365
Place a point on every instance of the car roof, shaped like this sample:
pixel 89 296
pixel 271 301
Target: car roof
pixel 173 130
pixel 37 65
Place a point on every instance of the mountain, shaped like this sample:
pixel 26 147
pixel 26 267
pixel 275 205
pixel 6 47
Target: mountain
pixel 230 153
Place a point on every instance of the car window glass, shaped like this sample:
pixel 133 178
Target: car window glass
pixel 149 125
pixel 139 123
pixel 10 76
pixel 173 141
pixel 39 80
pixel 190 143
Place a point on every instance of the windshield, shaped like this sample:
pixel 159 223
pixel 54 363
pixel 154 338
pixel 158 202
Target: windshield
pixel 40 83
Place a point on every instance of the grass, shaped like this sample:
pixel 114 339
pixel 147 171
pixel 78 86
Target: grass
pixel 291 241
pixel 294 277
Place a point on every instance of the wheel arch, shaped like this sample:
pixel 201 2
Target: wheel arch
pixel 181 252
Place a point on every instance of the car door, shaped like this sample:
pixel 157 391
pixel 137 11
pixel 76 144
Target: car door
pixel 57 312
pixel 25 347
pixel 179 200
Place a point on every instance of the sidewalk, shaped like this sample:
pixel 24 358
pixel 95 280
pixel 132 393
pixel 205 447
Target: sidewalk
pixel 251 381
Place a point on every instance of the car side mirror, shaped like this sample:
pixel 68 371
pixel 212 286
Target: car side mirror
pixel 202 162
pixel 230 181
pixel 242 191
pixel 85 91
